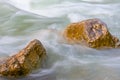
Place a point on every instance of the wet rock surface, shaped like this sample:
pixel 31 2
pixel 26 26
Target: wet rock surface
pixel 92 33
pixel 28 59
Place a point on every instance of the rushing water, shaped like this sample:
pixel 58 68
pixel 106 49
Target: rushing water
pixel 24 20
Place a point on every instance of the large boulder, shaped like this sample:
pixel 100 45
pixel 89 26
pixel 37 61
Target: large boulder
pixel 92 33
pixel 28 59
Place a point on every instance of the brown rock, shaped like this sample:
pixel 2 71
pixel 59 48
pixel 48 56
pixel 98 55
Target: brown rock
pixel 91 32
pixel 25 61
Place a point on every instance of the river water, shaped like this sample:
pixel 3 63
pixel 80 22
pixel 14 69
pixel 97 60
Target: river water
pixel 24 20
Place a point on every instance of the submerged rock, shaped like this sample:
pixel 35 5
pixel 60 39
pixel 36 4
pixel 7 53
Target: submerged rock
pixel 25 61
pixel 92 33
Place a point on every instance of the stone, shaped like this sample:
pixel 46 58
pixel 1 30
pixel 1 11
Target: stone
pixel 27 60
pixel 92 33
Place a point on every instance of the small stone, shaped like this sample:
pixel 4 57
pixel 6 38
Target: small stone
pixel 28 59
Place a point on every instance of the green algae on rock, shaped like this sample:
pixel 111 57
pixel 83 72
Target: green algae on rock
pixel 25 61
pixel 92 33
